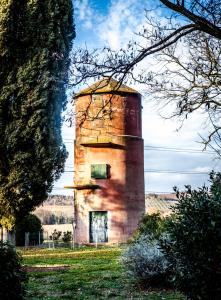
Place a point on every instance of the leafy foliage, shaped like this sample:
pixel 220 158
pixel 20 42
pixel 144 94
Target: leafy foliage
pixel 31 224
pixel 143 259
pixel 12 278
pixel 35 40
pixel 145 262
pixel 67 236
pixel 194 245
pixel 152 225
pixel 55 236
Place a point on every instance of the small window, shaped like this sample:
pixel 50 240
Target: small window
pixel 99 171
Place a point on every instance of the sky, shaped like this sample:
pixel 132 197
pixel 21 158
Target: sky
pixel 113 23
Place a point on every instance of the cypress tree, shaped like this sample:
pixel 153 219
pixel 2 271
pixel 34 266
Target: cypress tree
pixel 35 41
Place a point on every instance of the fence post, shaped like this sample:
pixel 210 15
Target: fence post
pixel 39 238
pixel 52 241
pixel 1 236
pixel 11 237
pixel 73 235
pixel 49 242
pixel 26 239
pixel 5 235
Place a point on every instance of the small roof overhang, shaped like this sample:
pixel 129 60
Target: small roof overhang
pixel 106 85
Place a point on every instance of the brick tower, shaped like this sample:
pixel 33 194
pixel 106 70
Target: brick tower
pixel 109 163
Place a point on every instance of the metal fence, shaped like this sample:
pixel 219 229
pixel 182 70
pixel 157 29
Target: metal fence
pixel 40 239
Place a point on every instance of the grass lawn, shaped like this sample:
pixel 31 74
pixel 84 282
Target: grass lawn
pixel 83 274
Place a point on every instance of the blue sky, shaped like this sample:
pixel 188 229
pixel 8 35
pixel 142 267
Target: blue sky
pixel 113 23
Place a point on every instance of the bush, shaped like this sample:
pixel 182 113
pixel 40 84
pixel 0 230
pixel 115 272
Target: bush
pixel 194 246
pixel 31 224
pixel 55 236
pixel 12 278
pixel 67 236
pixel 145 262
pixel 152 225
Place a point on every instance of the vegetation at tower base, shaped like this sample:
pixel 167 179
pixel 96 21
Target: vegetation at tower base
pixel 145 263
pixel 12 277
pixel 143 259
pixel 67 236
pixel 35 41
pixel 193 247
pixel 152 225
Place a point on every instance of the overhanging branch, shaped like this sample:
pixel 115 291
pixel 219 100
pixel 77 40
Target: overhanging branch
pixel 202 23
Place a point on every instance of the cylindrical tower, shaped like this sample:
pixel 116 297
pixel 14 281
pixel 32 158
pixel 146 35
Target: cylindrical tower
pixel 109 163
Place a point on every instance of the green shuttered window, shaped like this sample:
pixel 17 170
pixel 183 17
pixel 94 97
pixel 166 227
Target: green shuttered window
pixel 99 171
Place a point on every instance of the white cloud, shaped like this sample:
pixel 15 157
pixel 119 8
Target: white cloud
pixel 164 183
pixel 206 169
pixel 158 131
pixel 121 23
pixel 84 13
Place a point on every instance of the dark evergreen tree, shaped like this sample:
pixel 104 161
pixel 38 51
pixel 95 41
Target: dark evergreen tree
pixel 32 225
pixel 35 41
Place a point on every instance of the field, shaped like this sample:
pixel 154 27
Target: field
pixel 83 274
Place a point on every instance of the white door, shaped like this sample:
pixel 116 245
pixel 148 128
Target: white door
pixel 98 227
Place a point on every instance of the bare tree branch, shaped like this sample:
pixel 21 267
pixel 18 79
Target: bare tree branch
pixel 195 81
pixel 204 25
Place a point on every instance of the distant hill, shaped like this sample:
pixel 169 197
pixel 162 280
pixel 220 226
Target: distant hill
pixel 59 200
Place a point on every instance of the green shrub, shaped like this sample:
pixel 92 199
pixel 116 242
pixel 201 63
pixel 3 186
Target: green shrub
pixel 12 278
pixel 31 224
pixel 194 245
pixel 67 236
pixel 152 225
pixel 55 236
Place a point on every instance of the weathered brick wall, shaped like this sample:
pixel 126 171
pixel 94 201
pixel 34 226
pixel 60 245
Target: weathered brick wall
pixel 122 194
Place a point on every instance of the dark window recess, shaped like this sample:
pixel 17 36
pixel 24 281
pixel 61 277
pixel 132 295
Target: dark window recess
pixel 99 171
